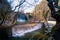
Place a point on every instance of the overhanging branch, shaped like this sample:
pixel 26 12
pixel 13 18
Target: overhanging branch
pixel 20 3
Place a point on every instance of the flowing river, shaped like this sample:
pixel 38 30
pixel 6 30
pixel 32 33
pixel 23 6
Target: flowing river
pixel 21 32
pixel 27 33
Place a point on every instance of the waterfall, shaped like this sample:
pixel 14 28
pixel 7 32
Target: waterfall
pixel 22 32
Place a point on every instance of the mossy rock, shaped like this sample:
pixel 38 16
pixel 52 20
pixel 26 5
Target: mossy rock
pixel 55 28
pixel 56 16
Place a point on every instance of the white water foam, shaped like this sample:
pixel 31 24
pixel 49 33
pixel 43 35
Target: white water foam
pixel 22 32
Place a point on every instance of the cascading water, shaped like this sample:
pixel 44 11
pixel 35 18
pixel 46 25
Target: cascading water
pixel 23 31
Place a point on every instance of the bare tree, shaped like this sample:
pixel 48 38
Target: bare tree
pixel 5 16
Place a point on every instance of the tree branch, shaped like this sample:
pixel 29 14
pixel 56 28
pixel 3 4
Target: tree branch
pixel 20 3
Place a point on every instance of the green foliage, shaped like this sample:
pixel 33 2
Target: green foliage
pixel 30 15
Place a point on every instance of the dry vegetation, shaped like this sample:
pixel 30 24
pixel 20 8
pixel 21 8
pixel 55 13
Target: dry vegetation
pixel 38 11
